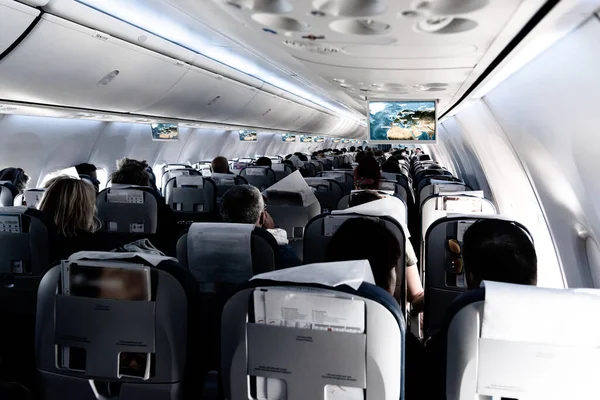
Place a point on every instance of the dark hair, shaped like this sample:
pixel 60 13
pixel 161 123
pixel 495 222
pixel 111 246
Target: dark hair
pixel 85 169
pixel 500 251
pixel 352 149
pixel 391 166
pixel 264 162
pixel 367 175
pixel 302 157
pixel 220 165
pixel 363 197
pixel 131 172
pixel 359 156
pixel 366 239
pixel 16 176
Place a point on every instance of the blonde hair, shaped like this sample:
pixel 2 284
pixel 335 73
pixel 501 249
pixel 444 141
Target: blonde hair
pixel 72 203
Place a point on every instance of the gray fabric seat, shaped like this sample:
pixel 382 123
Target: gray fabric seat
pixel 328 192
pixel 345 179
pixel 8 192
pixel 281 170
pixel 191 193
pixel 130 209
pixel 260 177
pixel 289 212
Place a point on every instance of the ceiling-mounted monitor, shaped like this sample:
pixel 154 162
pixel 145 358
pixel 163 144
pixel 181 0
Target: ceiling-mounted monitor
pixel 336 140
pixel 320 139
pixel 288 138
pixel 306 139
pixel 164 131
pixel 248 136
pixel 402 121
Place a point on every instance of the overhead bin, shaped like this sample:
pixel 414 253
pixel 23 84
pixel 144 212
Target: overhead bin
pixel 15 18
pixel 62 63
pixel 202 96
pixel 321 123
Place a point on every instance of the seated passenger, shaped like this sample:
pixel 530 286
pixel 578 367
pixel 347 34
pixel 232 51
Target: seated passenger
pixel 131 172
pixel 367 175
pixel 264 162
pixel 359 156
pixel 244 204
pixel 391 166
pixel 497 250
pixel 352 149
pixel 414 293
pixel 220 165
pixel 89 170
pixel 16 176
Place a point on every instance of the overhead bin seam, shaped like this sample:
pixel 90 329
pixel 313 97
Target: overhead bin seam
pixel 531 24
pixel 16 43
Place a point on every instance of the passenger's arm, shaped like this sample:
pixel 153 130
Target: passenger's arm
pixel 415 293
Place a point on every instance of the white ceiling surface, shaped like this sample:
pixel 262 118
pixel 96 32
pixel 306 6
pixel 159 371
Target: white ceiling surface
pixel 41 145
pixel 379 48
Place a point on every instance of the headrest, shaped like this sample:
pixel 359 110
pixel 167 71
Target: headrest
pixel 283 198
pixel 10 186
pixel 339 176
pixel 317 181
pixel 119 186
pixel 152 259
pixel 220 252
pixel 223 179
pixel 33 197
pixel 388 206
pixel 523 329
pixel 194 181
pixel 11 219
pixel 128 195
pixel 256 171
pixel 277 166
pixel 293 183
pixel 296 161
pixel 350 273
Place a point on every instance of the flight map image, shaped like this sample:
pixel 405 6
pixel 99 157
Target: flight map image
pixel 402 121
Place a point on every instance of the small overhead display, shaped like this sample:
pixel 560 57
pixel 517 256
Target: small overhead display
pixel 165 132
pixel 402 122
pixel 319 139
pixel 306 139
pixel 288 138
pixel 336 140
pixel 248 136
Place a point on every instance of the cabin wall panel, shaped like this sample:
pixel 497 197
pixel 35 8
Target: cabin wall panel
pixel 549 111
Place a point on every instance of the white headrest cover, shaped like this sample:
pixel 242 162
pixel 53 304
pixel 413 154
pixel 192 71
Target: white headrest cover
pixel 295 183
pixel 223 179
pixel 351 273
pixel 153 259
pixel 220 252
pixel 388 206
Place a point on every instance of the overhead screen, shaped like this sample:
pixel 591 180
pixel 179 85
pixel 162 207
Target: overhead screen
pixel 164 132
pixel 288 138
pixel 306 139
pixel 248 136
pixel 402 122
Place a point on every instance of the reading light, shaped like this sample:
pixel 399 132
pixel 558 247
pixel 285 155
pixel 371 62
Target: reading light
pixel 175 26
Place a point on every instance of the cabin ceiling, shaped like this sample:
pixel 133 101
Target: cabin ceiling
pixel 377 48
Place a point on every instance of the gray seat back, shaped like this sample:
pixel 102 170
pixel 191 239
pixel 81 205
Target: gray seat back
pixel 131 209
pixel 434 188
pixel 224 182
pixel 288 211
pixel 154 332
pixel 442 285
pixel 26 237
pixel 191 193
pixel 172 173
pixel 281 170
pixel 345 179
pixel 311 355
pixel 33 197
pixel 260 177
pixel 8 192
pixel 328 192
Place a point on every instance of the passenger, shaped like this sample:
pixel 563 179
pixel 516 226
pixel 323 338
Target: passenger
pixel 16 176
pixel 414 293
pixel 367 175
pixel 131 172
pixel 302 157
pixel 264 162
pixel 88 172
pixel 352 149
pixel 220 165
pixel 390 166
pixel 244 204
pixel 359 156
pixel 497 250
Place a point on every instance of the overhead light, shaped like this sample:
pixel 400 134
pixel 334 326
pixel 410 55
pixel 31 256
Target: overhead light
pixel 169 23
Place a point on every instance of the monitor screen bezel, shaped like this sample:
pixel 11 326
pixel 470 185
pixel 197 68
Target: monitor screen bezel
pixel 164 123
pixel 380 100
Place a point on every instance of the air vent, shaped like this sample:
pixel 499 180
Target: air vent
pixel 7 108
pixel 311 47
pixel 108 78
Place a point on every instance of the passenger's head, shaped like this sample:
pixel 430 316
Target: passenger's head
pixel 243 204
pixel 72 204
pixel 352 149
pixel 131 172
pixel 302 157
pixel 220 165
pixel 363 197
pixel 497 250
pixel 16 176
pixel 359 156
pixel 366 239
pixel 87 169
pixel 264 162
pixel 367 175
pixel 391 166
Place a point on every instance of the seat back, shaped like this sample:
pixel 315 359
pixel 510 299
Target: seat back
pixel 151 329
pixel 260 177
pixel 436 186
pixel 8 192
pixel 191 193
pixel 328 192
pixel 281 170
pixel 33 197
pixel 505 340
pixel 172 173
pixel 327 164
pixel 319 167
pixel 131 209
pixel 395 189
pixel 444 280
pixel 311 354
pixel 308 169
pixel 291 214
pixel 345 179
pixel 224 182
